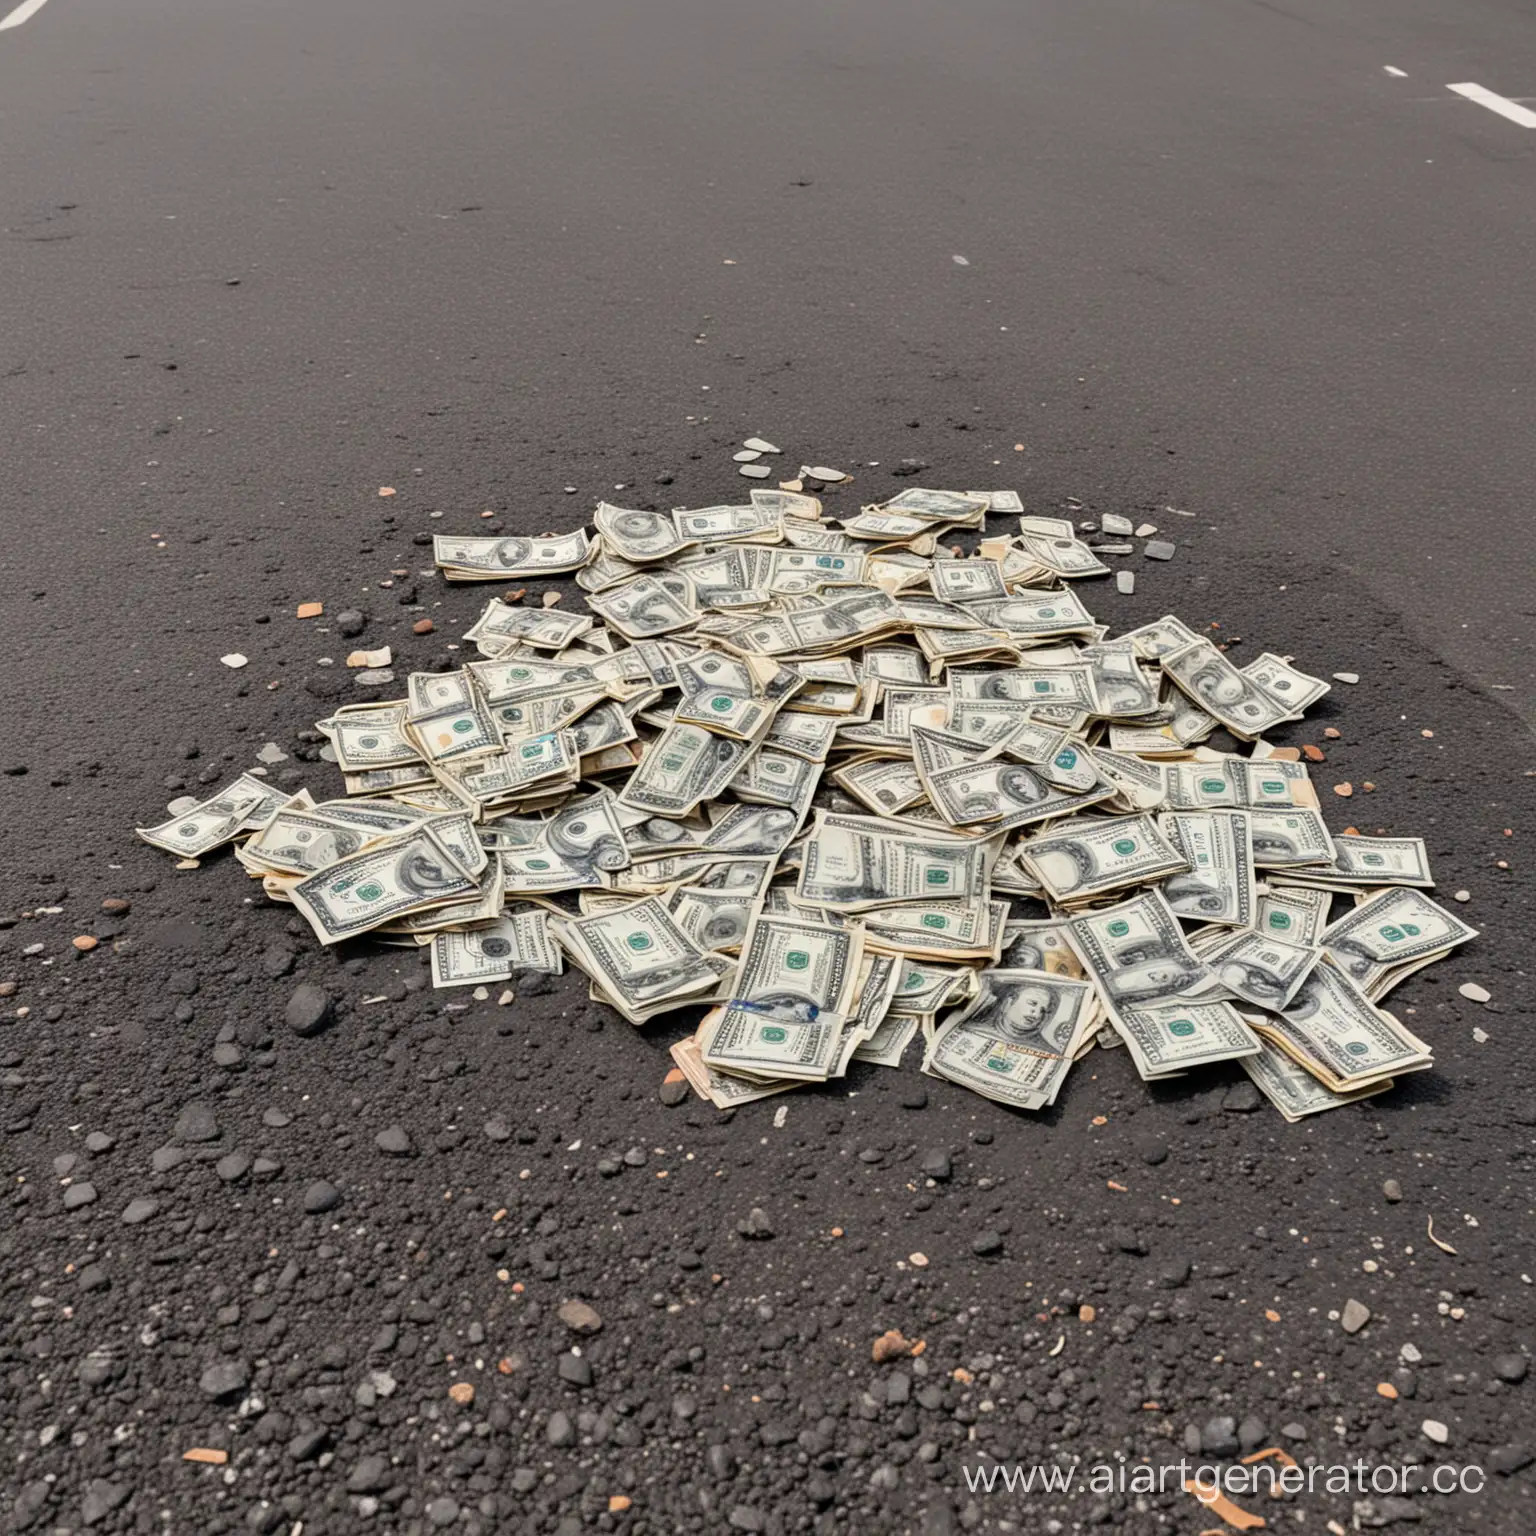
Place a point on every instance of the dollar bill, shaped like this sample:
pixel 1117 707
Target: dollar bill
pixel 1297 913
pixel 889 1041
pixel 1389 934
pixel 300 841
pixel 1333 1030
pixel 1015 1041
pixel 1135 952
pixel 638 537
pixel 516 942
pixel 1166 1039
pixel 1005 795
pixel 1289 840
pixel 1294 1091
pixel 1293 690
pixel 853 862
pixel 793 988
pixel 1259 968
pixel 369 738
pixel 638 956
pixel 1035 615
pixel 501 627
pixel 722 1089
pixel 501 559
pixel 1220 689
pixel 643 608
pixel 714 525
pixel 247 804
pixel 1361 863
pixel 684 765
pixel 1086 857
pixel 384 882
pixel 1218 886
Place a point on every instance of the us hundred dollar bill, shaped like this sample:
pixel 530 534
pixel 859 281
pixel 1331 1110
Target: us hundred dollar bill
pixel 1389 934
pixel 517 942
pixel 387 881
pixel 795 983
pixel 1169 1038
pixel 1085 857
pixel 1218 886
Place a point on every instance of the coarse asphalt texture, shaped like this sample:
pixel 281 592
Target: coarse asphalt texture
pixel 261 261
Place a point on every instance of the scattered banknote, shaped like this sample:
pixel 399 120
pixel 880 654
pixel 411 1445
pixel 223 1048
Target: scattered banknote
pixel 812 785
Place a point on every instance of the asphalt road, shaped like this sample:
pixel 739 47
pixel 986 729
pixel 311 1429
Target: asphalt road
pixel 261 260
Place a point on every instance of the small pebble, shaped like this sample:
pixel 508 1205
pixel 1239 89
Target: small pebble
pixel 235 660
pixel 1347 677
pixel 1474 993
pixel 754 471
pixel 1392 1191
pixel 1146 530
pixel 1125 581
pixel 1461 896
pixel 1434 1430
pixel 422 627
pixel 1160 549
pixel 1354 1316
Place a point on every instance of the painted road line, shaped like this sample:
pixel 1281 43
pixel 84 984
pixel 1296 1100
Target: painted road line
pixel 1392 69
pixel 23 12
pixel 1500 104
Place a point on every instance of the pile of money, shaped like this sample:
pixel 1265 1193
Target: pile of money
pixel 828 784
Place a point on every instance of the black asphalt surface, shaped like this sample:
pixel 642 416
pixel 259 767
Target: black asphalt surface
pixel 259 261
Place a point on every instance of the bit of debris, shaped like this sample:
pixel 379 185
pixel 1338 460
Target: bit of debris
pixel 1346 677
pixel 207 1455
pixel 379 658
pixel 891 1345
pixel 309 610
pixel 1474 993
pixel 1439 1242
pixel 235 660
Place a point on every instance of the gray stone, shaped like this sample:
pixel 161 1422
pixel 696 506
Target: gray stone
pixel 350 621
pixel 101 1499
pixel 224 1378
pixel 1355 1316
pixel 1251 1433
pixel 937 1165
pixel 394 1141
pixel 196 1122
pixel 1294 1431
pixel 1218 1436
pixel 370 1475
pixel 1511 1368
pixel 1509 1459
pixel 321 1196
pixel 1160 549
pixel 443 1511
pixel 560 1430
pixel 77 1195
pixel 1242 1098
pixel 987 1242
pixel 1392 1191
pixel 308 1010
pixel 138 1211
pixel 234 1166
pixel 575 1369
pixel 674 1093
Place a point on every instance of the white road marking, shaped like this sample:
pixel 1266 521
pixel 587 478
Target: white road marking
pixel 23 12
pixel 1392 69
pixel 1495 103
